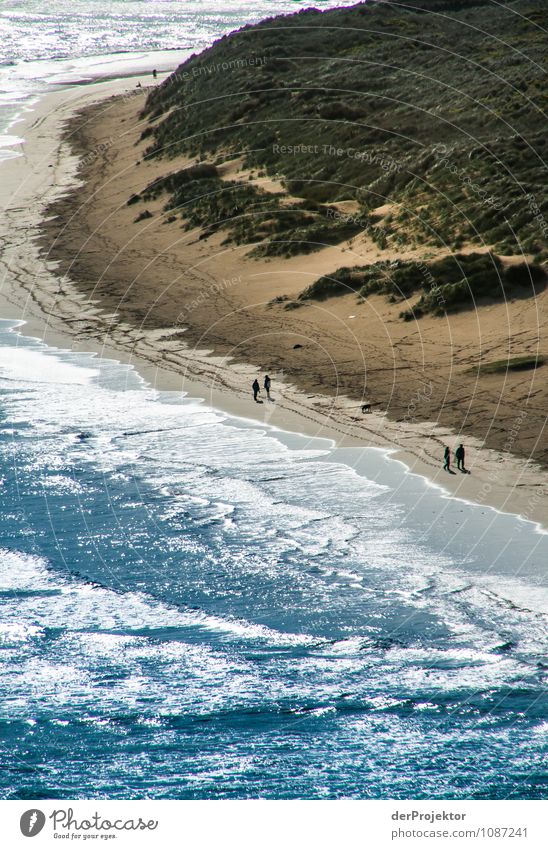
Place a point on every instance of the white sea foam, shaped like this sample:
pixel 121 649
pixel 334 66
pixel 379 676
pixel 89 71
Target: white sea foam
pixel 301 526
pixel 162 562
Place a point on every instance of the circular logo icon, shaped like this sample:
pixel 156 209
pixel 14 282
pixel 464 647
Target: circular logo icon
pixel 32 822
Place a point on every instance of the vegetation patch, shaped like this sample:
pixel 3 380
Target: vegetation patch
pixel 525 363
pixel 466 280
pixel 247 214
pixel 143 216
pixel 449 284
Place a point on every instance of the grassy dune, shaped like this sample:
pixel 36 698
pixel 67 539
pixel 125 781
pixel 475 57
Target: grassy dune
pixel 430 111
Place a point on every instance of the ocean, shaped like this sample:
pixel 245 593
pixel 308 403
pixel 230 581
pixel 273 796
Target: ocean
pixel 196 607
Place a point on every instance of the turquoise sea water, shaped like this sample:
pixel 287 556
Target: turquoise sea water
pixel 192 607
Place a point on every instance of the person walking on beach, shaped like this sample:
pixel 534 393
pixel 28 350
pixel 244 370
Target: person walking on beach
pixel 256 389
pixel 267 383
pixel 459 456
pixel 447 459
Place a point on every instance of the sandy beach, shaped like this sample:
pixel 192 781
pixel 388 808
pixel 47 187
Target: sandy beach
pixel 194 315
pixel 208 599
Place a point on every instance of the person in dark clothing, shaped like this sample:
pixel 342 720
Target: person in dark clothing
pixel 267 384
pixel 459 456
pixel 256 389
pixel 447 459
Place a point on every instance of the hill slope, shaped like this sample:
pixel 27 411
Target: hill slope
pixel 432 110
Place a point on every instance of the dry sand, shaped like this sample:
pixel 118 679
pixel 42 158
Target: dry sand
pixel 194 314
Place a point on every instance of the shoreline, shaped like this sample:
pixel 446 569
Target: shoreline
pixel 58 313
